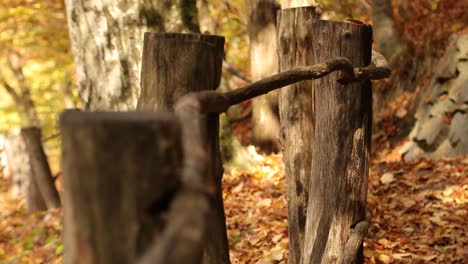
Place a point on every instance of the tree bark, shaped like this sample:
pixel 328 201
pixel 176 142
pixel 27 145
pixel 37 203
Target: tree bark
pixel 264 62
pixel 107 42
pixel 42 176
pixel 174 65
pixel 297 120
pixel 341 147
pixel 120 172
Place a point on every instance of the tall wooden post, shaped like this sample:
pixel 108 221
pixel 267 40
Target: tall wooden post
pixel 338 166
pixel 297 120
pixel 120 171
pixel 341 148
pixel 174 65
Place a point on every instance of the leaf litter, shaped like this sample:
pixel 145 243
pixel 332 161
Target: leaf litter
pixel 419 215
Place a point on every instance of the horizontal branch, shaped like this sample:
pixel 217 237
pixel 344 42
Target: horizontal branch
pixel 289 77
pixel 378 69
pixel 214 102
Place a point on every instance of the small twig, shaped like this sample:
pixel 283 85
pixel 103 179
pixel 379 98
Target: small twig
pixel 234 71
pixel 45 139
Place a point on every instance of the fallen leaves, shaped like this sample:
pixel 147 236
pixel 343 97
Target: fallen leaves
pixel 28 237
pixel 418 215
pixel 256 211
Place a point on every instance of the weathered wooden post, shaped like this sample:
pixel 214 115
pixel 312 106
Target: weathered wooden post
pixel 338 166
pixel 120 171
pixel 41 174
pixel 297 120
pixel 174 65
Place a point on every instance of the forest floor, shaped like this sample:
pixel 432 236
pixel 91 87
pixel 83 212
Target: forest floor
pixel 419 215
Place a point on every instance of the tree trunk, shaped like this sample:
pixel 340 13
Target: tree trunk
pixel 388 42
pixel 107 42
pixel 21 175
pixel 42 176
pixel 120 172
pixel 386 35
pixel 297 120
pixel 296 3
pixel 174 65
pixel 264 63
pixel 207 25
pixel 341 148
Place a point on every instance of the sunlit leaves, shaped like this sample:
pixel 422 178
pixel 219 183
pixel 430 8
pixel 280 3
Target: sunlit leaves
pixel 37 31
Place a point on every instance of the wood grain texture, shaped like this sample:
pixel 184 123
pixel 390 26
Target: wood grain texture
pixel 120 171
pixel 297 120
pixel 341 147
pixel 174 65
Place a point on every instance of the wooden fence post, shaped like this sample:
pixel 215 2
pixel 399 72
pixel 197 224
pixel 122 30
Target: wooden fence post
pixel 297 120
pixel 341 145
pixel 120 171
pixel 174 65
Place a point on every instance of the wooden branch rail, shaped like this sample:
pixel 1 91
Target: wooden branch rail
pixel 191 110
pixel 214 102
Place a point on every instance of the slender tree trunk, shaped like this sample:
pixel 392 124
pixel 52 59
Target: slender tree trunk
pixel 388 42
pixel 22 93
pixel 341 148
pixel 264 63
pixel 42 176
pixel 107 40
pixel 207 25
pixel 120 172
pixel 386 35
pixel 297 120
pixel 174 65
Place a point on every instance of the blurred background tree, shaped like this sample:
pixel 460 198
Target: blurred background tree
pixel 37 76
pixel 36 70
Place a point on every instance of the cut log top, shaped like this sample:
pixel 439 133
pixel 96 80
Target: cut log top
pixel 213 40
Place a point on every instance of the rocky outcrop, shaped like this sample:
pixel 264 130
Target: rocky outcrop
pixel 441 127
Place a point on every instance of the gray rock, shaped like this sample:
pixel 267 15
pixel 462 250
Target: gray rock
pixel 458 133
pixel 445 93
pixel 430 130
